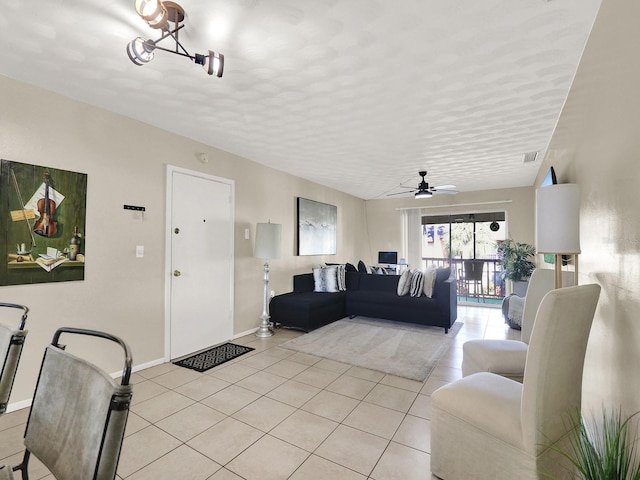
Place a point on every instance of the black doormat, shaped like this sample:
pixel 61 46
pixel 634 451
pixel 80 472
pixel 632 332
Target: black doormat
pixel 213 357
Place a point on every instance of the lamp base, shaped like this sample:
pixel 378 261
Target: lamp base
pixel 264 330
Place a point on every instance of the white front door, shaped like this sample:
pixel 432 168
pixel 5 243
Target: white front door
pixel 200 261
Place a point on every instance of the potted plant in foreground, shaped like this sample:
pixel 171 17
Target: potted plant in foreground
pixel 516 260
pixel 604 449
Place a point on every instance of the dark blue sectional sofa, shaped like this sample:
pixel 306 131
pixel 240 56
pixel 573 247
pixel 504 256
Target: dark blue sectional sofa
pixel 366 295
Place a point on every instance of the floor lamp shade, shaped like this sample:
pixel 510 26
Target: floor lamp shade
pixel 268 240
pixel 558 219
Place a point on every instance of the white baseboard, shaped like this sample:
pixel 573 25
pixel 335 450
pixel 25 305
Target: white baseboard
pixel 12 407
pixel 150 364
pixel 248 332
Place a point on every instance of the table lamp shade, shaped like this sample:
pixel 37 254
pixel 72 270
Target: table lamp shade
pixel 558 219
pixel 268 240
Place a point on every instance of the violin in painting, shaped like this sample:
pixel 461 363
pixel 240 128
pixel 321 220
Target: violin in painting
pixel 45 226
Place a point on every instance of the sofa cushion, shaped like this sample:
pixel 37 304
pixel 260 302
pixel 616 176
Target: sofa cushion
pixel 442 274
pixel 325 279
pixel 417 279
pixel 341 275
pixel 308 301
pixel 362 268
pixel 404 284
pixel 303 283
pixel 350 268
pixel 429 281
pixel 378 283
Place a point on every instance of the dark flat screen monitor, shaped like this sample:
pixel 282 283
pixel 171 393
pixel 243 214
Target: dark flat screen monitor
pixel 388 258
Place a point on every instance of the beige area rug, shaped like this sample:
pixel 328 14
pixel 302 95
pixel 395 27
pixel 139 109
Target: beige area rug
pixel 402 349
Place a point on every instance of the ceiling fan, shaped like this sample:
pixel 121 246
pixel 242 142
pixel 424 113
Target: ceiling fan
pixel 425 191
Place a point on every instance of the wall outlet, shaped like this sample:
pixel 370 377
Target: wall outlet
pixel 272 294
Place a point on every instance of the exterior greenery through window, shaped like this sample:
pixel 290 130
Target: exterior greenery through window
pixel 451 239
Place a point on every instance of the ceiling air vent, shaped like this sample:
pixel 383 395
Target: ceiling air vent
pixel 530 157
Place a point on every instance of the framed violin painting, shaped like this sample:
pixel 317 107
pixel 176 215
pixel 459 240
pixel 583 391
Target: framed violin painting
pixel 42 224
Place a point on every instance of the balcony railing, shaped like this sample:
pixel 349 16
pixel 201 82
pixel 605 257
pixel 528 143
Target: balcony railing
pixel 490 286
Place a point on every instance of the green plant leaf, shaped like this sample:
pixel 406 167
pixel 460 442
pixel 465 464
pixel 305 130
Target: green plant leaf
pixel 602 449
pixel 516 260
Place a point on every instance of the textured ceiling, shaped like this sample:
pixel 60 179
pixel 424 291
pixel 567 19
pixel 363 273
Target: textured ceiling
pixel 357 95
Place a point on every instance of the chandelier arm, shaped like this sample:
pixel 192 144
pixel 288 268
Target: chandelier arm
pixel 186 54
pixel 178 44
pixel 170 33
pixel 173 34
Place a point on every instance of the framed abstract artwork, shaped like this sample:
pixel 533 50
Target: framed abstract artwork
pixel 317 228
pixel 42 224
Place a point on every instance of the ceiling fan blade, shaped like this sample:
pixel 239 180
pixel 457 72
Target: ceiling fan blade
pixel 446 192
pixel 401 193
pixel 444 187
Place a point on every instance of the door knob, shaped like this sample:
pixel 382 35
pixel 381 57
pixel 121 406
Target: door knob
pixel 176 273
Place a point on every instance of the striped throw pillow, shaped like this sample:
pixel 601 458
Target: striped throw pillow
pixel 417 279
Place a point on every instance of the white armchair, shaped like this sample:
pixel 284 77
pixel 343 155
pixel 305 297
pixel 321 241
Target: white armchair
pixel 488 426
pixel 507 357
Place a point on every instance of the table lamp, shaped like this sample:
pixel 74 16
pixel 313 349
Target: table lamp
pixel 558 224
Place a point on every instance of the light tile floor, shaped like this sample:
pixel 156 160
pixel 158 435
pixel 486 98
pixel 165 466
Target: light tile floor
pixel 276 414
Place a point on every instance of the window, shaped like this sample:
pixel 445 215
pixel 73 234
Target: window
pixel 450 239
pixel 464 236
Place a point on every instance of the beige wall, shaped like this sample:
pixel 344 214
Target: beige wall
pixel 126 164
pixel 384 216
pixel 596 145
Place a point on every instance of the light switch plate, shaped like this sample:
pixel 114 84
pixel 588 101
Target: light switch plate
pixel 139 251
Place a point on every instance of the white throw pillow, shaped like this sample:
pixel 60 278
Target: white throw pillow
pixel 429 281
pixel 325 279
pixel 404 283
pixel 341 273
pixel 417 279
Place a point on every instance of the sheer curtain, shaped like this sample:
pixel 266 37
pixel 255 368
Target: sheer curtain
pixel 412 237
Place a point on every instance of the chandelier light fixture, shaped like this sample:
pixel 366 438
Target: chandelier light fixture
pixel 167 17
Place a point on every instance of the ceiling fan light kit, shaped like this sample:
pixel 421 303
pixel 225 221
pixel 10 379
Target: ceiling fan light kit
pixel 160 15
pixel 425 191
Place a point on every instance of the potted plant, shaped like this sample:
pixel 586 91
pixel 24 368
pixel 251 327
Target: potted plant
pixel 516 260
pixel 604 449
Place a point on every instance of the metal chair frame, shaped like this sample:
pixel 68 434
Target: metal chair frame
pixel 473 270
pixel 12 357
pixel 108 451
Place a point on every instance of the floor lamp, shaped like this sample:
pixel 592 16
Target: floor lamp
pixel 268 240
pixel 558 224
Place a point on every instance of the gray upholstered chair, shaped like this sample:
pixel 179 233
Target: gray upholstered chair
pixel 489 426
pixel 507 357
pixel 78 415
pixel 11 342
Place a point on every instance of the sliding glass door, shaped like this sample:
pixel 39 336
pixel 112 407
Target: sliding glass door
pixel 467 242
